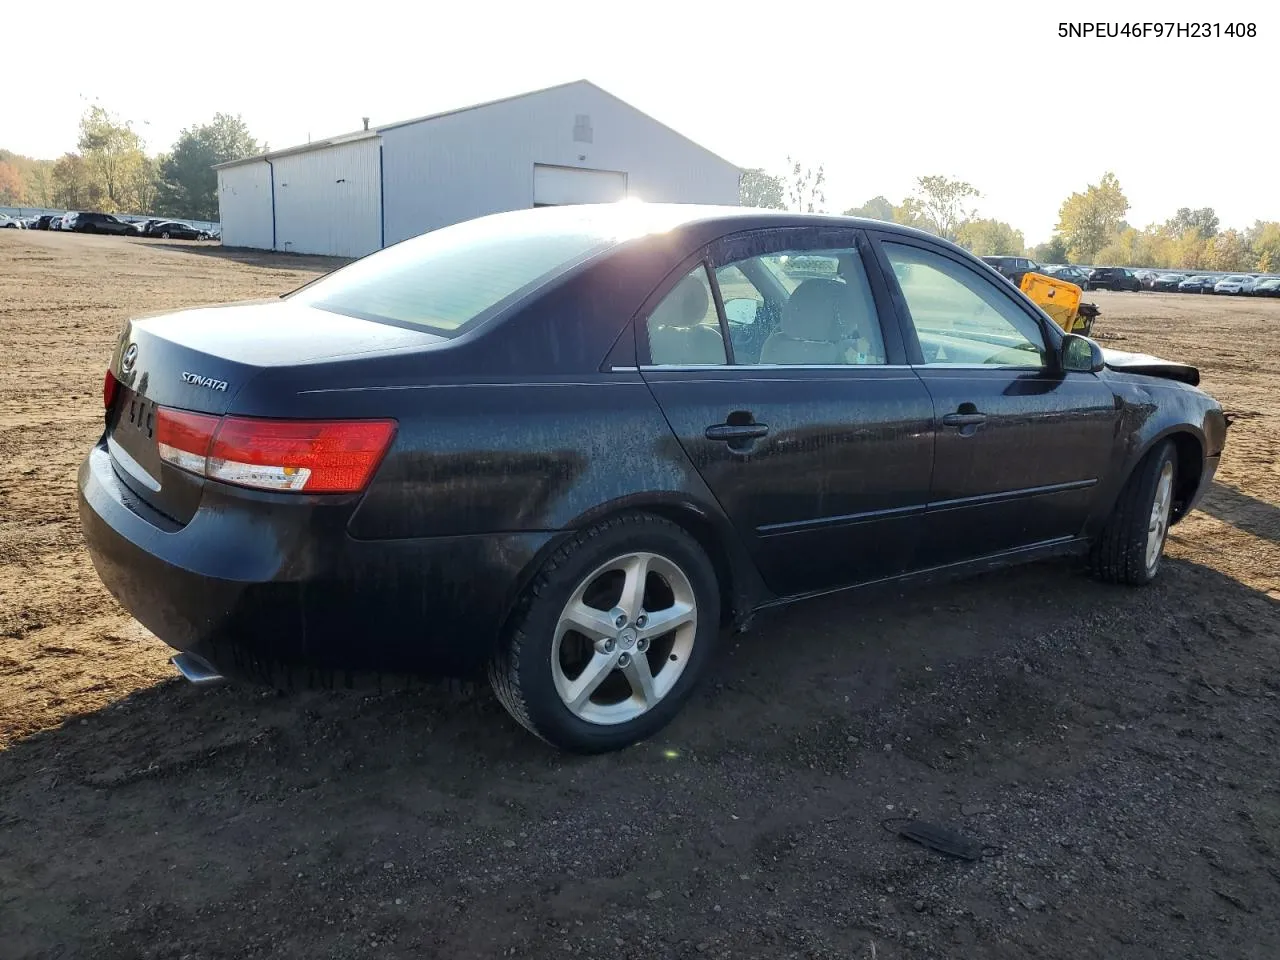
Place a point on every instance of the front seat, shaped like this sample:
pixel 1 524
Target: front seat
pixel 677 334
pixel 810 331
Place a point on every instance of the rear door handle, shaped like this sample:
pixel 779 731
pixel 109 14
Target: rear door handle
pixel 964 419
pixel 730 432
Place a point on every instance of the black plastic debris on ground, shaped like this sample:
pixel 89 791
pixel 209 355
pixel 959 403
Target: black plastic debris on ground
pixel 942 839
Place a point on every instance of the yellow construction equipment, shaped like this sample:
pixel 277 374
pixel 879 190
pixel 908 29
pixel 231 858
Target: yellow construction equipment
pixel 1061 301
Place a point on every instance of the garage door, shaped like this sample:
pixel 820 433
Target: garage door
pixel 553 186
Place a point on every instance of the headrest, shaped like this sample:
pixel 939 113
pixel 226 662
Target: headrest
pixel 813 311
pixel 684 306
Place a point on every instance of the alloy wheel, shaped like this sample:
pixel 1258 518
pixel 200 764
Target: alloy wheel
pixel 624 638
pixel 1158 524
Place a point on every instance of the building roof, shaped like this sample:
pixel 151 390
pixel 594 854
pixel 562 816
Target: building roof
pixel 301 148
pixel 376 131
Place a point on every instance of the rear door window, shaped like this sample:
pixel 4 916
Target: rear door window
pixel 811 307
pixel 684 328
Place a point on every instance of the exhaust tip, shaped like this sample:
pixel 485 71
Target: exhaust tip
pixel 195 669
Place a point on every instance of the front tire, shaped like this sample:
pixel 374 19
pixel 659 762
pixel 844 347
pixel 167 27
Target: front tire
pixel 611 636
pixel 1131 545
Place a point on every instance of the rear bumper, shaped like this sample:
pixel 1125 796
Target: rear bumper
pixel 258 582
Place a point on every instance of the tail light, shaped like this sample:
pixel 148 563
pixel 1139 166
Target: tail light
pixel 304 456
pixel 110 387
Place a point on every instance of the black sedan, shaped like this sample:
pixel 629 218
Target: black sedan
pixel 1077 275
pixel 567 446
pixel 1197 284
pixel 1168 281
pixel 1114 278
pixel 170 230
pixel 1267 287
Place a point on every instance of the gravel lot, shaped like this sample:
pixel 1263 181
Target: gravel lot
pixel 1118 746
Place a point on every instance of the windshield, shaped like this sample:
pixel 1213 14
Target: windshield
pixel 450 279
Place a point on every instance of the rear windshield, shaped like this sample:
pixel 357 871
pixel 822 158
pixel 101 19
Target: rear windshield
pixel 453 278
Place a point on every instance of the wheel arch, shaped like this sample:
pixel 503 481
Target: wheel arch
pixel 1189 457
pixel 741 587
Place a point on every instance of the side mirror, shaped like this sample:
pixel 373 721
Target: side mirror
pixel 741 310
pixel 1081 355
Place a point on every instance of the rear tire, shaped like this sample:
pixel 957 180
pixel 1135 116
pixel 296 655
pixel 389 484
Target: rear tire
pixel 1131 545
pixel 648 601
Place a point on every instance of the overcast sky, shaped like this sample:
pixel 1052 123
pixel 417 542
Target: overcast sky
pixel 878 93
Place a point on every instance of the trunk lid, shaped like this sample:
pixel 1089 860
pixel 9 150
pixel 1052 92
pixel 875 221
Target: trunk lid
pixel 200 359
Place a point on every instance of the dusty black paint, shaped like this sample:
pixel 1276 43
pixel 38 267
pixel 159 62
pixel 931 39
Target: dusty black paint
pixel 546 418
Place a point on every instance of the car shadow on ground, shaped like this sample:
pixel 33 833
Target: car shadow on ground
pixel 247 255
pixel 1237 508
pixel 1104 738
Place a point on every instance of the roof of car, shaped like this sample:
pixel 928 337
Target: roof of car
pixel 655 217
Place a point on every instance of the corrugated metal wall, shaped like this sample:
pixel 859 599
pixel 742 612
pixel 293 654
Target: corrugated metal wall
pixel 328 201
pixel 244 205
pixel 481 161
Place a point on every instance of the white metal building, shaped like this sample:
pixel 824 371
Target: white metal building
pixel 352 194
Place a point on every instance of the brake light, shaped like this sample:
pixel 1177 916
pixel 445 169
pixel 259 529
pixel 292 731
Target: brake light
pixel 110 387
pixel 313 456
pixel 184 438
pixel 308 456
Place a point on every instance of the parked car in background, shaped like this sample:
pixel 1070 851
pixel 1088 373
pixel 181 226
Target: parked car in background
pixel 1013 268
pixel 1167 281
pixel 55 222
pixel 1197 284
pixel 1233 284
pixel 11 223
pixel 91 222
pixel 41 222
pixel 1267 287
pixel 1114 278
pixel 1077 275
pixel 172 230
pixel 261 501
pixel 1246 288
pixel 1146 277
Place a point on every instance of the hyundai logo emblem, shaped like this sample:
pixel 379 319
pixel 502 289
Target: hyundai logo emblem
pixel 129 359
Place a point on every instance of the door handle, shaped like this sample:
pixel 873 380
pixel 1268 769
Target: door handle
pixel 736 432
pixel 964 419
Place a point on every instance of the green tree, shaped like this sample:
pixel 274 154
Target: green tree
pixel 804 187
pixel 759 189
pixel 1203 221
pixel 1187 251
pixel 112 153
pixel 1229 251
pixel 190 184
pixel 1264 241
pixel 877 208
pixel 72 187
pixel 943 203
pixel 1054 250
pixel 910 213
pixel 1087 220
pixel 40 183
pixel 1122 250
pixel 990 238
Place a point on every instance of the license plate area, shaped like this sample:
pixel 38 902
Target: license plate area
pixel 138 416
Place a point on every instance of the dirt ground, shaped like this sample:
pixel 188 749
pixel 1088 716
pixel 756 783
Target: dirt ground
pixel 1119 747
